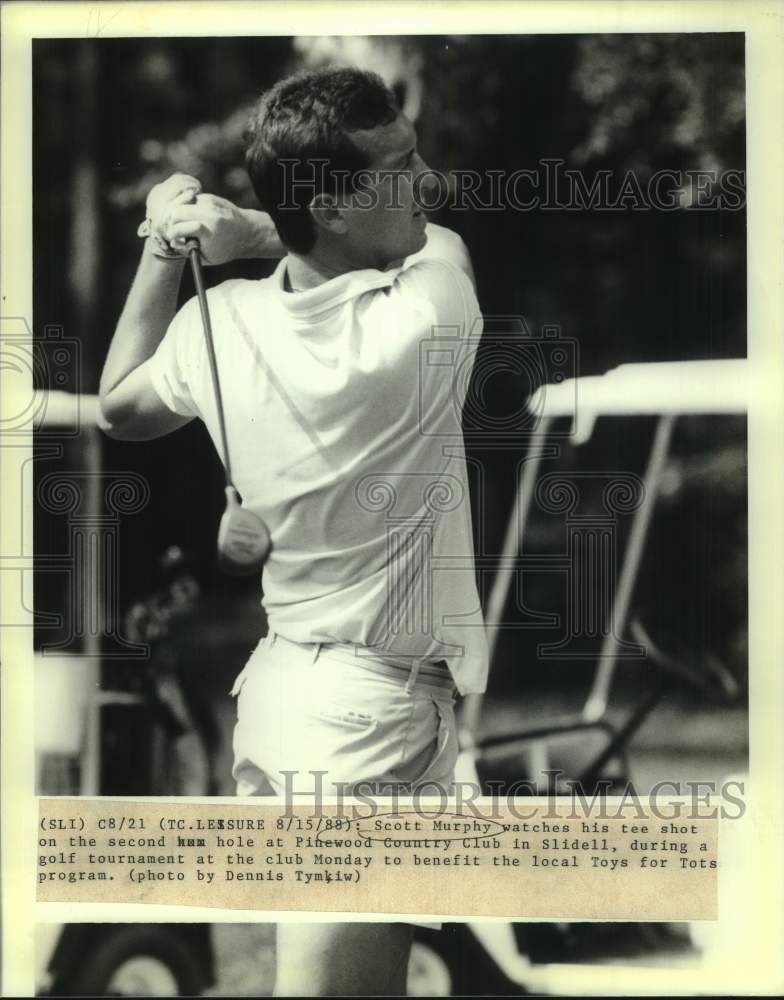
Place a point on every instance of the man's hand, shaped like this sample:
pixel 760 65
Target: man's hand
pixel 177 211
pixel 224 231
pixel 177 189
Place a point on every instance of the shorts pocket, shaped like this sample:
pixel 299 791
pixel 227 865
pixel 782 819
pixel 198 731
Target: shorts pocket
pixel 238 682
pixel 347 717
pixel 430 759
pixel 445 753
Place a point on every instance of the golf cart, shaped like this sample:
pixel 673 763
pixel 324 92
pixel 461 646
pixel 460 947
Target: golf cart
pixel 588 747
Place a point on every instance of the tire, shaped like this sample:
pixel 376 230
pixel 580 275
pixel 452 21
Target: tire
pixel 428 973
pixel 140 960
pixel 451 962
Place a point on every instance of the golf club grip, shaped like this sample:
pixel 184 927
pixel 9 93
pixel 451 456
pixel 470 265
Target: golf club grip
pixel 201 292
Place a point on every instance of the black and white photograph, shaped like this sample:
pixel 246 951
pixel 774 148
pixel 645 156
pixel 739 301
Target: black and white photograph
pixel 389 436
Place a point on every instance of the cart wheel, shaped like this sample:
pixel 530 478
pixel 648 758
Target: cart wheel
pixel 451 962
pixel 139 961
pixel 428 973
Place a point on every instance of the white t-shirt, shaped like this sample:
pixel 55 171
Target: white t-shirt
pixel 343 410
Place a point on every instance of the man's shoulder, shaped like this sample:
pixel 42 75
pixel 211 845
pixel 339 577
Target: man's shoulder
pixel 442 284
pixel 437 268
pixel 447 247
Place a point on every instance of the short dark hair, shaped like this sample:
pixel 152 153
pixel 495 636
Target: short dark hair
pixel 305 118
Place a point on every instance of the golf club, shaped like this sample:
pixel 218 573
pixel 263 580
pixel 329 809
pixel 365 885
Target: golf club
pixel 243 538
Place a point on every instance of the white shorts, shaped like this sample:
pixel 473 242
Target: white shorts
pixel 357 721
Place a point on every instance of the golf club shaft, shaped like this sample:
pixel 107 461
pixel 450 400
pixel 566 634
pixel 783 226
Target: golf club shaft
pixel 201 292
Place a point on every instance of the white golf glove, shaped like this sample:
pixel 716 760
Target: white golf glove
pixel 179 189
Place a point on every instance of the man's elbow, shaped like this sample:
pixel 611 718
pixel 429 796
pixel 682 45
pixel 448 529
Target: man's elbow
pixel 126 418
pixel 112 422
pixel 119 420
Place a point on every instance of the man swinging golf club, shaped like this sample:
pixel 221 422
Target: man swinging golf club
pixel 334 399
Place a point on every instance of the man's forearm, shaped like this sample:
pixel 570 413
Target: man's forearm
pixel 264 241
pixel 149 309
pixel 152 301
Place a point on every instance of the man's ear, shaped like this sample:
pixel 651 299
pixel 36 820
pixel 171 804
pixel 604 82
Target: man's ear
pixel 326 214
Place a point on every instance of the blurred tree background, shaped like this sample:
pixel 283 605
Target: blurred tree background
pixel 114 116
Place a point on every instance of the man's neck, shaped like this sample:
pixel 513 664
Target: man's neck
pixel 308 271
pixel 303 273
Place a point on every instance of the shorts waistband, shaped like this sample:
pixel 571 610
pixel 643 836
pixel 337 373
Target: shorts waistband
pixel 409 671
